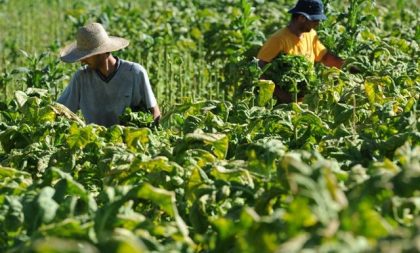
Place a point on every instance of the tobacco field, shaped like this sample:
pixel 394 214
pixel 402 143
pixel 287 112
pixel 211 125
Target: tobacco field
pixel 226 170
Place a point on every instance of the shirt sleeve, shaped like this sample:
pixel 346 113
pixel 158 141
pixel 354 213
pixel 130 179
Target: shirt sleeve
pixel 71 95
pixel 271 48
pixel 146 92
pixel 319 49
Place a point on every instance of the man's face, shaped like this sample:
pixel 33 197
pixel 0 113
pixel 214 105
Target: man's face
pixel 307 25
pixel 94 61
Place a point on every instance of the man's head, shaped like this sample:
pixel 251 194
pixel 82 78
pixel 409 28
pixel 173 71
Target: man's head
pixel 303 23
pixel 92 42
pixel 95 61
pixel 313 10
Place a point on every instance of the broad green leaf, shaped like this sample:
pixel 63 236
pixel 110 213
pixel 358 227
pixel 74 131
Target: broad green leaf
pixel 159 163
pixel 370 91
pixel 261 156
pixel 39 208
pixel 14 217
pixel 216 143
pixel 232 175
pixel 6 173
pixel 364 220
pixel 410 104
pixel 123 241
pixel 79 137
pixel 137 139
pixel 299 215
pixel 196 157
pixel 58 245
pixel 163 198
pixel 266 89
pixel 46 114
pixel 166 201
pixel 293 161
pixel 198 216
pixel 197 180
pixel 47 206
pixel 225 227
pixel 309 118
pixel 115 134
pixel 21 98
pixel 342 113
pixel 67 228
pixel 68 186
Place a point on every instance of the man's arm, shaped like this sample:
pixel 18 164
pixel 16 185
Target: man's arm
pixel 331 60
pixel 71 94
pixel 156 113
pixel 261 63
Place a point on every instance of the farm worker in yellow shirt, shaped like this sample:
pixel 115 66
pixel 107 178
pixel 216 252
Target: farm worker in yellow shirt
pixel 299 38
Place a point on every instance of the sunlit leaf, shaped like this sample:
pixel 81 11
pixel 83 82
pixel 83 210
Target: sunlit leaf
pixel 265 94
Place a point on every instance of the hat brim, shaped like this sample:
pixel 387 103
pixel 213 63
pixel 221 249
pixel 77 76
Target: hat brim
pixel 314 17
pixel 72 54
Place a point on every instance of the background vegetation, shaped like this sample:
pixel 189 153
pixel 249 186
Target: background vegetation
pixel 227 170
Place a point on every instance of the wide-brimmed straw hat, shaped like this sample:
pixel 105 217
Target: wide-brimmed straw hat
pixel 91 39
pixel 311 9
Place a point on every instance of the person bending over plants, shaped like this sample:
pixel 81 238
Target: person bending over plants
pixel 105 85
pixel 299 38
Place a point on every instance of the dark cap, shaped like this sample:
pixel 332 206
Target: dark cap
pixel 311 9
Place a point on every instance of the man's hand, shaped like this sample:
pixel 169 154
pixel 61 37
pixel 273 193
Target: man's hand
pixel 331 60
pixel 156 121
pixel 156 115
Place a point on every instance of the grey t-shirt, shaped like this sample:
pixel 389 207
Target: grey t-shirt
pixel 103 101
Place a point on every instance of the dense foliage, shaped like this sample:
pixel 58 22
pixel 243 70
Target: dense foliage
pixel 225 171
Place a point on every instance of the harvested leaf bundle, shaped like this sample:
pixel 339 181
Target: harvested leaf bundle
pixel 292 73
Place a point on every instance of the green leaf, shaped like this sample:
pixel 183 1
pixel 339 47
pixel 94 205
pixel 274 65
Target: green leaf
pixel 370 91
pixel 216 143
pixel 166 201
pixel 21 98
pixel 6 173
pixel 365 221
pixel 79 137
pixel 39 208
pixel 122 241
pixel 57 245
pixel 67 228
pixel 266 89
pixel 47 206
pixel 163 198
pixel 114 134
pixel 137 139
pixel 220 172
pixel 342 114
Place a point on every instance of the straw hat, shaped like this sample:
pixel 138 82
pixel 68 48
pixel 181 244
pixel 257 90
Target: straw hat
pixel 91 39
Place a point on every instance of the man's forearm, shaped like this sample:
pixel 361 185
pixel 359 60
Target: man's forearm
pixel 155 112
pixel 331 60
pixel 261 63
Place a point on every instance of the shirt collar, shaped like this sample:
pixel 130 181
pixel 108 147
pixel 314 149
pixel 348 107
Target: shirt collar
pixel 110 76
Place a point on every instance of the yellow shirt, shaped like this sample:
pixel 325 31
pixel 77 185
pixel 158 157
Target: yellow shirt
pixel 287 42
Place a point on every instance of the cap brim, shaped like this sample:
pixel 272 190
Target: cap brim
pixel 72 54
pixel 310 17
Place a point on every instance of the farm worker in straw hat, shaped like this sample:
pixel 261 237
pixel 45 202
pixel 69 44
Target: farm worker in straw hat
pixel 299 38
pixel 105 85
